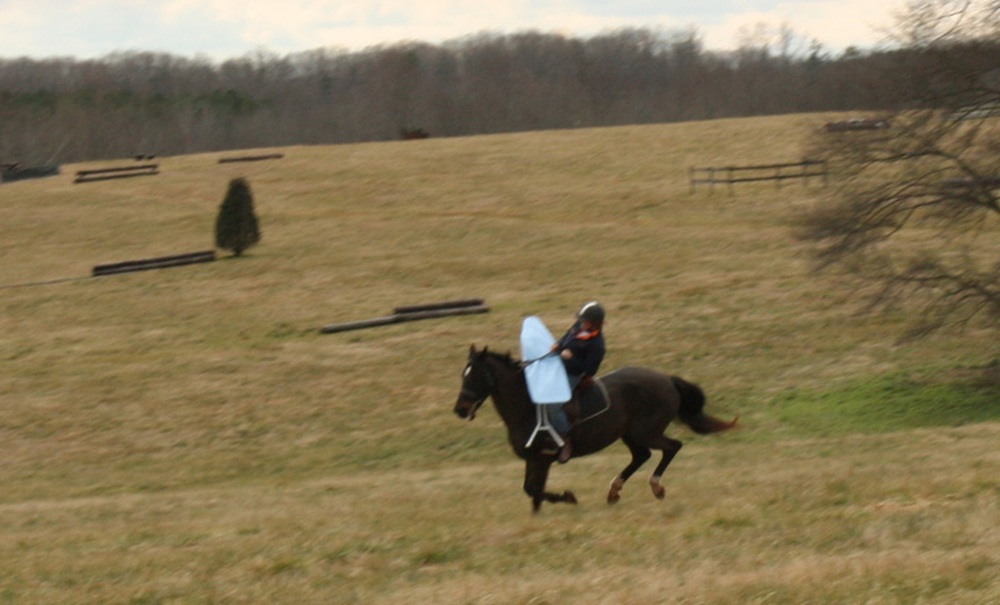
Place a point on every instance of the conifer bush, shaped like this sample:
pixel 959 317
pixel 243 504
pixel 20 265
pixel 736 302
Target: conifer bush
pixel 236 227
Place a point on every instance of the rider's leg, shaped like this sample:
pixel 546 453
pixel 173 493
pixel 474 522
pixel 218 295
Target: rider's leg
pixel 560 422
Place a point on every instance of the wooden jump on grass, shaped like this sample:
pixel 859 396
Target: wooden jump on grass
pixel 121 172
pixel 252 158
pixel 403 317
pixel 161 262
pixel 451 304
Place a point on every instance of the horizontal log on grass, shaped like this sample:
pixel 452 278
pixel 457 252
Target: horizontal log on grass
pixel 402 317
pixel 121 172
pixel 161 262
pixel 252 158
pixel 451 304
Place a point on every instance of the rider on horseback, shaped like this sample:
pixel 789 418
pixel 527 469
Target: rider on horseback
pixel 582 351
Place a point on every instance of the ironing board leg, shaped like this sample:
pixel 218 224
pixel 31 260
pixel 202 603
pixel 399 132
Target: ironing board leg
pixel 543 424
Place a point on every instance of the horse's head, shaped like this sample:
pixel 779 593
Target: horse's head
pixel 478 384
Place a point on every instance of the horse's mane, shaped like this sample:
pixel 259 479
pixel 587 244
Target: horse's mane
pixel 504 358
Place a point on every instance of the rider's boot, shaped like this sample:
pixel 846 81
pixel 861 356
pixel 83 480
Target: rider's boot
pixel 566 451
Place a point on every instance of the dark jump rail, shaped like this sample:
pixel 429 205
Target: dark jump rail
pixel 451 304
pixel 778 173
pixel 252 158
pixel 412 313
pixel 120 172
pixel 161 262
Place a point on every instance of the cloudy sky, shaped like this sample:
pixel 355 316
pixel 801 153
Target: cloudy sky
pixel 221 29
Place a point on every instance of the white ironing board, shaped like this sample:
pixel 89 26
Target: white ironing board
pixel 545 374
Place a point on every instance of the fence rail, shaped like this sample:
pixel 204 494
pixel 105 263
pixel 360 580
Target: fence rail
pixel 712 176
pixel 161 262
pixel 412 313
pixel 119 172
pixel 252 158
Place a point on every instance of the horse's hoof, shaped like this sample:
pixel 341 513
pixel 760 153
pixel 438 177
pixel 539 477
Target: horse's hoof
pixel 569 498
pixel 660 492
pixel 615 493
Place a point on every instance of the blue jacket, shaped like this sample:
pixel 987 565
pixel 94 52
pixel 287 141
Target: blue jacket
pixel 587 350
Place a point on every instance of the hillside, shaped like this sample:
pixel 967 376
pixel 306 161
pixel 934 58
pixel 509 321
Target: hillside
pixel 188 435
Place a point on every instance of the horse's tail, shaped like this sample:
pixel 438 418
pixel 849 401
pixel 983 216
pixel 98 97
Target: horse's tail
pixel 692 409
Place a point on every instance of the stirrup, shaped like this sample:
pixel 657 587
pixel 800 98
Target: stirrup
pixel 543 424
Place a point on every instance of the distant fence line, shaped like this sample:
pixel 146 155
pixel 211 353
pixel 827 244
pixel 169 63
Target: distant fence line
pixel 805 170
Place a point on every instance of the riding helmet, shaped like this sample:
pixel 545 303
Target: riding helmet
pixel 592 311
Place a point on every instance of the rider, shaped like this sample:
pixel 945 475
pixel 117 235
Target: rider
pixel 582 351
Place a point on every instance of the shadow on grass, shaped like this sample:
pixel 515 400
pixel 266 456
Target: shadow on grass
pixel 894 402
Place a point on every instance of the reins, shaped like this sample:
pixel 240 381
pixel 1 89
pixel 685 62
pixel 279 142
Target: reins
pixel 524 364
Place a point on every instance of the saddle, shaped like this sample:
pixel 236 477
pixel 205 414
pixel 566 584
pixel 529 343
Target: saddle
pixel 590 399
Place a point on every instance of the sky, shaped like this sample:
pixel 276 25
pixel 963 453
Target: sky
pixel 224 29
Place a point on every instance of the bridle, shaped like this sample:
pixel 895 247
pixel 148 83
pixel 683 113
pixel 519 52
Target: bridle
pixel 476 398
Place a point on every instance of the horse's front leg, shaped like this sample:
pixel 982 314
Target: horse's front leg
pixel 536 474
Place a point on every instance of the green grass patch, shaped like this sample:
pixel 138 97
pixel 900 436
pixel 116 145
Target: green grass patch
pixel 892 402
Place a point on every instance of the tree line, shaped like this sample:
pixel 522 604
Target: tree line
pixel 64 110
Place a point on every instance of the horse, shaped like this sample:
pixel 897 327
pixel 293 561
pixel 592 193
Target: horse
pixel 641 403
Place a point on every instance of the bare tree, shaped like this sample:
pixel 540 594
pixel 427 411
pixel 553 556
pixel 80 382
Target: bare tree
pixel 916 211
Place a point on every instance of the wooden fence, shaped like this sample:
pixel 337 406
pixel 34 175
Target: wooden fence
pixel 252 158
pixel 804 170
pixel 413 313
pixel 161 262
pixel 120 172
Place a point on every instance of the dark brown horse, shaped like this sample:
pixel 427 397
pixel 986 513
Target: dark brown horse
pixel 642 403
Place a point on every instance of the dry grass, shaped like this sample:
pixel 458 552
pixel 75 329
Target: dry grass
pixel 188 436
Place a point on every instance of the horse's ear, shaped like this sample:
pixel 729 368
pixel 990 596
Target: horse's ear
pixel 472 350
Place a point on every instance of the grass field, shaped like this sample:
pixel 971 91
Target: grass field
pixel 188 436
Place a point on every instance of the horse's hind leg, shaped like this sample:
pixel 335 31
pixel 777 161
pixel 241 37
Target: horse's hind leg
pixel 640 455
pixel 670 447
